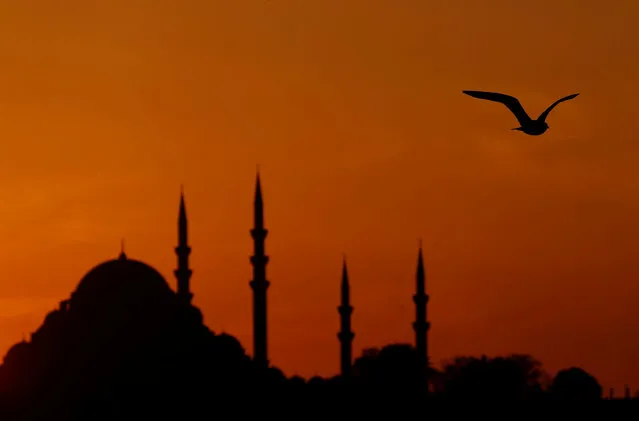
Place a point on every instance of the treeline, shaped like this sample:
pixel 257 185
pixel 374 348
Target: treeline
pixel 393 371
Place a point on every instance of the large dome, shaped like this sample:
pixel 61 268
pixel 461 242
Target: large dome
pixel 122 285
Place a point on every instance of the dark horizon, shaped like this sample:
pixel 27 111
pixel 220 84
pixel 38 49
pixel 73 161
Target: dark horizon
pixel 124 314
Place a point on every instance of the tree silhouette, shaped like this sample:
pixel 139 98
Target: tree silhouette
pixel 575 384
pixel 516 377
pixel 392 371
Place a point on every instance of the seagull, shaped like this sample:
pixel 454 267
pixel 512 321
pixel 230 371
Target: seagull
pixel 528 125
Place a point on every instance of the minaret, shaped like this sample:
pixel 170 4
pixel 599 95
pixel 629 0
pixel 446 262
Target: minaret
pixel 345 335
pixel 259 284
pixel 183 272
pixel 421 326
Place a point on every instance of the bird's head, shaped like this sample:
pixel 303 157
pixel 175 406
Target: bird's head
pixel 546 126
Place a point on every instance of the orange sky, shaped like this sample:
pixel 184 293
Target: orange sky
pixel 354 111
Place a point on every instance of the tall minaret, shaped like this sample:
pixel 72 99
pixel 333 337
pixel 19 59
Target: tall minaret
pixel 183 272
pixel 421 326
pixel 345 335
pixel 259 284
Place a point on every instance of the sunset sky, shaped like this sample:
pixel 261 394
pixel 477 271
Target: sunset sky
pixel 353 110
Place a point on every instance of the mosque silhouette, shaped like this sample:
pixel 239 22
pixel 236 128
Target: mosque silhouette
pixel 124 330
pixel 125 342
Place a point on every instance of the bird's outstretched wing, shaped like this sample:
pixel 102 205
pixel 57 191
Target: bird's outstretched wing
pixel 509 101
pixel 543 115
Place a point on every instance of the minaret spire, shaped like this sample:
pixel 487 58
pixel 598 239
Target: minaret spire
pixel 346 334
pixel 183 272
pixel 122 255
pixel 259 284
pixel 421 325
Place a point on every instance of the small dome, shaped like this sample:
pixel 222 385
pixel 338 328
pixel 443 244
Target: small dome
pixel 122 286
pixel 230 342
pixel 17 352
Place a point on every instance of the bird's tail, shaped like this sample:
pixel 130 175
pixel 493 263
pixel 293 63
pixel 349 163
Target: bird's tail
pixel 516 128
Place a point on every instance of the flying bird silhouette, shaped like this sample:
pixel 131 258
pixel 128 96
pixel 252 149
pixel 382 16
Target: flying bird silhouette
pixel 528 125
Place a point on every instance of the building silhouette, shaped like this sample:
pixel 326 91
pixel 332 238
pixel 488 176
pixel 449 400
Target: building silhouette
pixel 421 325
pixel 346 334
pixel 259 284
pixel 183 250
pixel 126 339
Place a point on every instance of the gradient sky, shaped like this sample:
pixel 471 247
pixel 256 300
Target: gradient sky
pixel 353 110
